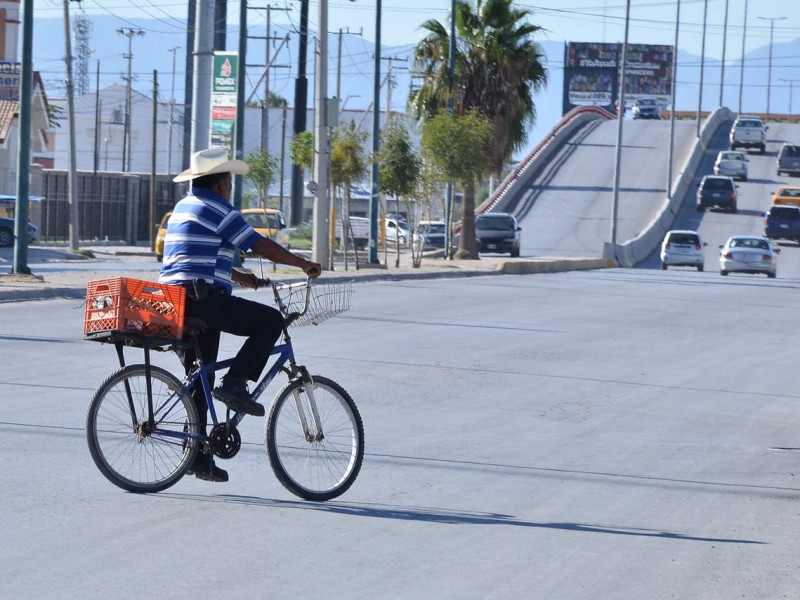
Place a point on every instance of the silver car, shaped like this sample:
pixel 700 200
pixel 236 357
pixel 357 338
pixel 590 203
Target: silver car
pixel 682 248
pixel 731 163
pixel 748 254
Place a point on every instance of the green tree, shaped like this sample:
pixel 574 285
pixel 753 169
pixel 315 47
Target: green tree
pixel 399 172
pixel 348 164
pixel 301 149
pixel 498 69
pixel 457 148
pixel 263 170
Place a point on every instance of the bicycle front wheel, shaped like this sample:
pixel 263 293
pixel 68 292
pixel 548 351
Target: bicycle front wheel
pixel 131 452
pixel 315 439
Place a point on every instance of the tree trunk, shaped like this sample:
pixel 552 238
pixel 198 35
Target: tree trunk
pixel 467 247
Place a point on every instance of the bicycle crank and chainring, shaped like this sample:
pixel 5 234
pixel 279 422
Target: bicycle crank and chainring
pixel 225 440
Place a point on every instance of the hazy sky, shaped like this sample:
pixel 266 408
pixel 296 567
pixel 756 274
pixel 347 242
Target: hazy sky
pixel 651 21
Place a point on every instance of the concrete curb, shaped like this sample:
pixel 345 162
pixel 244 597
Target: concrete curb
pixel 42 291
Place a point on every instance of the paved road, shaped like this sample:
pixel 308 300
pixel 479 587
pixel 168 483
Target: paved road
pixel 600 434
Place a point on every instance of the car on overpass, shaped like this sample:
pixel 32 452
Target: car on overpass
pixel 786 195
pixel 782 223
pixel 748 254
pixel 732 163
pixel 749 132
pixel 682 248
pixel 716 191
pixel 646 108
pixel 789 160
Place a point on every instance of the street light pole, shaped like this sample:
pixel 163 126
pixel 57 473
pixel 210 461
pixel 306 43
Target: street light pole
pixel 722 64
pixel 769 63
pixel 126 140
pixel 672 110
pixel 791 83
pixel 702 67
pixel 741 67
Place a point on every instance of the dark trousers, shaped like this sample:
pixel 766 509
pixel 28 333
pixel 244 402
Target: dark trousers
pixel 260 324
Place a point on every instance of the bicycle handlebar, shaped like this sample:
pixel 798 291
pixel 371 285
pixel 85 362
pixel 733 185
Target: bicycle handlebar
pixel 293 316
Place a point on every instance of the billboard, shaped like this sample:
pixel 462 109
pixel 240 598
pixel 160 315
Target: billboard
pixel 592 74
pixel 223 99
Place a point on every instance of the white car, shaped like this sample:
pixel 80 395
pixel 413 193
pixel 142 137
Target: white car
pixel 732 163
pixel 748 254
pixel 682 248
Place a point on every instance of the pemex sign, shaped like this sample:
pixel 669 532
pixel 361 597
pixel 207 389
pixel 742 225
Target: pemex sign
pixel 223 98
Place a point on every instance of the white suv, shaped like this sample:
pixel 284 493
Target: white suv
pixel 749 132
pixel 682 247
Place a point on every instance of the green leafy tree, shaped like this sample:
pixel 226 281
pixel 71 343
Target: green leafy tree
pixel 348 164
pixel 498 69
pixel 457 148
pixel 399 172
pixel 263 170
pixel 301 149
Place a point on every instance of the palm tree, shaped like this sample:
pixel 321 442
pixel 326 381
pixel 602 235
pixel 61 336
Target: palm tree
pixel 498 69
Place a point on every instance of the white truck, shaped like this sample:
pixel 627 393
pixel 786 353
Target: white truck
pixel 359 231
pixel 749 132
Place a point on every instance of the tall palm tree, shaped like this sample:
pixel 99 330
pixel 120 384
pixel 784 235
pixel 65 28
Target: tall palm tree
pixel 498 69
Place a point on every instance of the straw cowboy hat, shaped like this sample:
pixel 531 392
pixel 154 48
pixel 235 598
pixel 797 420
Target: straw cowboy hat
pixel 209 161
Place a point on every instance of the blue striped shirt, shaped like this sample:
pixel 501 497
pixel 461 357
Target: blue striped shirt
pixel 203 234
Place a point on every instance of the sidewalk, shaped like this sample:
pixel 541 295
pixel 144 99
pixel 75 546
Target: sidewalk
pixel 133 262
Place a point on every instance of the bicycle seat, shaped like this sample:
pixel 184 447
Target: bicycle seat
pixel 193 327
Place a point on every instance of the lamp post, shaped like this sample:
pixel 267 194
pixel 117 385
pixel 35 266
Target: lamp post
pixel 672 110
pixel 722 64
pixel 791 85
pixel 702 67
pixel 769 63
pixel 741 67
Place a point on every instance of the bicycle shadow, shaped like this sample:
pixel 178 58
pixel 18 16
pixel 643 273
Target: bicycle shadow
pixel 443 516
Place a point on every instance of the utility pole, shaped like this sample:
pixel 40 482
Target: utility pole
pixel 702 68
pixel 300 102
pixel 339 65
pixel 741 67
pixel 20 264
pixel 389 85
pixel 171 110
pixel 153 152
pixel 374 202
pixel 320 236
pixel 203 65
pixel 791 83
pixel 126 138
pixel 72 180
pixel 769 64
pixel 188 82
pixel 722 64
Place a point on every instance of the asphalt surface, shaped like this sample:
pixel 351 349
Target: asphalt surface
pixel 57 272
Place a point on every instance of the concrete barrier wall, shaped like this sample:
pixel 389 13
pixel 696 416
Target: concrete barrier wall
pixel 632 252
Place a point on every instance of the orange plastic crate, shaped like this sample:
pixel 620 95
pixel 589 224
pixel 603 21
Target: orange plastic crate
pixel 128 305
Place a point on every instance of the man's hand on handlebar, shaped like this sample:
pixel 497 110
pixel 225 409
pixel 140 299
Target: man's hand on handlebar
pixel 312 269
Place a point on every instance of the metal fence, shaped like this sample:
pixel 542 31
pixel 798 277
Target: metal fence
pixel 111 206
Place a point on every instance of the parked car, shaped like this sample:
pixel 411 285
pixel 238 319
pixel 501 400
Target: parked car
pixel 748 254
pixel 732 163
pixel 7 232
pixel 786 195
pixel 782 223
pixel 498 232
pixel 749 132
pixel 397 230
pixel 432 234
pixel 716 191
pixel 789 160
pixel 682 247
pixel 269 222
pixel 646 108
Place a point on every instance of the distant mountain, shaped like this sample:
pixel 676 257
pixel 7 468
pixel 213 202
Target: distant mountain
pixel 152 51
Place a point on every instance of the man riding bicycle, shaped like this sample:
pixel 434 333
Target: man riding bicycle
pixel 204 233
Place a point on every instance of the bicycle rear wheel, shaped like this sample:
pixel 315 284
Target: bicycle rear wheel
pixel 130 453
pixel 315 465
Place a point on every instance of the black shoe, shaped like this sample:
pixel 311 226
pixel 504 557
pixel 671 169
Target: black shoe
pixel 204 468
pixel 233 394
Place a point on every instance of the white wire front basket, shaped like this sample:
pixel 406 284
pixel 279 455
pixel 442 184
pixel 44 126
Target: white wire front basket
pixel 325 300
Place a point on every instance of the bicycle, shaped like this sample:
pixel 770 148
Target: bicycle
pixel 142 425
